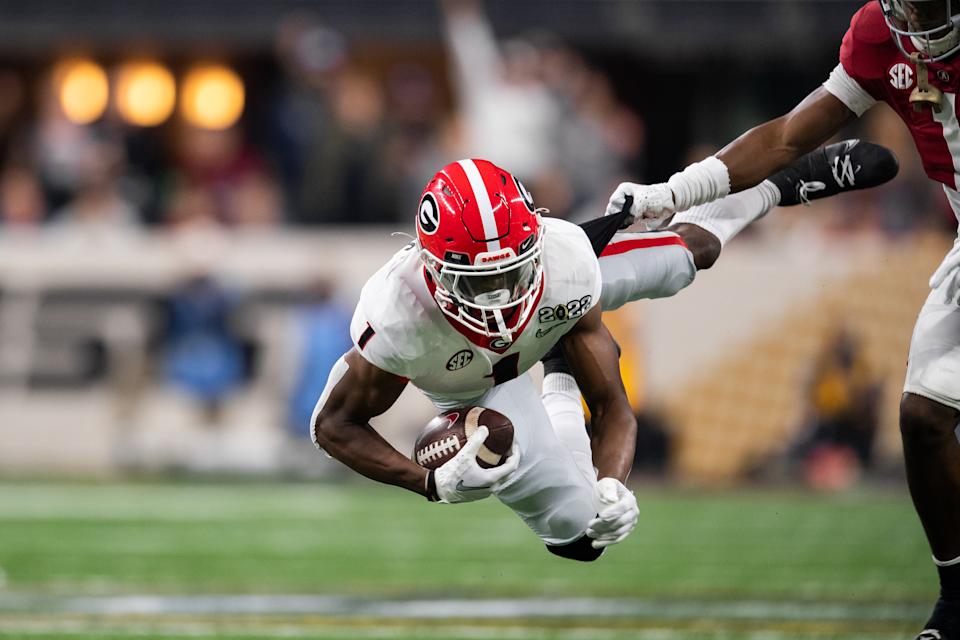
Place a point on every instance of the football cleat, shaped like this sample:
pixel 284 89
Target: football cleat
pixel 944 622
pixel 837 168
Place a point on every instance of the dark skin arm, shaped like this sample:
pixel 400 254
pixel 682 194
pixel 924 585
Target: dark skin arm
pixel 342 428
pixel 592 355
pixel 764 150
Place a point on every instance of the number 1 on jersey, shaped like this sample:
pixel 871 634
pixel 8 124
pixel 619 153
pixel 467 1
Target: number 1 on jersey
pixel 506 369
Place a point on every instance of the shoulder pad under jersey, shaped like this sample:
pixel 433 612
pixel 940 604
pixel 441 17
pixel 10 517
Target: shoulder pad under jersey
pixel 867 44
pixel 569 259
pixel 389 316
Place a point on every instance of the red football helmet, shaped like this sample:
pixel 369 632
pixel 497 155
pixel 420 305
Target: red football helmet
pixel 481 238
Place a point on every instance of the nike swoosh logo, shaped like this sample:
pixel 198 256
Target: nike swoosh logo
pixel 463 487
pixel 541 332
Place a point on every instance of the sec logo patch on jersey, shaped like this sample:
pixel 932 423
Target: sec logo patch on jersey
pixel 901 76
pixel 459 360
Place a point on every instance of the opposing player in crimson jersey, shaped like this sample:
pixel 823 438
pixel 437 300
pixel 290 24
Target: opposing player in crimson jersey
pixel 905 54
pixel 486 291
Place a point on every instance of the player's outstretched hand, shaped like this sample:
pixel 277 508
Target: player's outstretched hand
pixel 463 480
pixel 651 202
pixel 618 514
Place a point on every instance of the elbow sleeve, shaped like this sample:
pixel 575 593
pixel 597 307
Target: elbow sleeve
pixel 337 372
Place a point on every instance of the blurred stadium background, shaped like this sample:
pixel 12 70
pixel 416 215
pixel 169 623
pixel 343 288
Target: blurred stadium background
pixel 192 194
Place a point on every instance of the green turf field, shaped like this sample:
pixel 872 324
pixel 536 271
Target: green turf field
pixel 734 565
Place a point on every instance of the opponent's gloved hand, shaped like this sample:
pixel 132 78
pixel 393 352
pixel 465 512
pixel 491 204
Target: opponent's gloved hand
pixel 618 514
pixel 651 202
pixel 463 480
pixel 699 183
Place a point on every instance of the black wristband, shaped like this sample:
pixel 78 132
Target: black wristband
pixel 431 487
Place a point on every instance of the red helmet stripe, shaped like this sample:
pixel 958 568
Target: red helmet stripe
pixel 482 198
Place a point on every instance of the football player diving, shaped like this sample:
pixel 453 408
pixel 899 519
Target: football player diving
pixel 905 54
pixel 486 290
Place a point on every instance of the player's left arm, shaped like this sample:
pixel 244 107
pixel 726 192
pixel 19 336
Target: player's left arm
pixel 592 354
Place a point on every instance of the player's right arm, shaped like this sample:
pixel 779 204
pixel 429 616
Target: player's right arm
pixel 356 392
pixel 852 88
pixel 744 163
pixel 769 147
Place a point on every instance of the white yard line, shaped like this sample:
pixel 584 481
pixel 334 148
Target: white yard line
pixel 384 631
pixel 450 609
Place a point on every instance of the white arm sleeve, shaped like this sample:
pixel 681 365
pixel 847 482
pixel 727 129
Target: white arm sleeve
pixel 848 91
pixel 337 372
pixel 635 266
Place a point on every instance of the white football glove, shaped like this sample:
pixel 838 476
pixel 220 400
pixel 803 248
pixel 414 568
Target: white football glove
pixel 461 479
pixel 651 202
pixel 618 514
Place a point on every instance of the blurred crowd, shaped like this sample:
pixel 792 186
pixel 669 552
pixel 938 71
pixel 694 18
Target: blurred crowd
pixel 332 134
pixel 338 132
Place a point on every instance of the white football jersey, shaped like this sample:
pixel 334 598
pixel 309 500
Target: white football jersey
pixel 399 327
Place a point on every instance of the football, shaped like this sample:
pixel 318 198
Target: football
pixel 443 437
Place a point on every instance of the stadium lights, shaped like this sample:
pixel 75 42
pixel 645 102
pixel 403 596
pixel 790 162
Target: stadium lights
pixel 212 97
pixel 82 88
pixel 145 93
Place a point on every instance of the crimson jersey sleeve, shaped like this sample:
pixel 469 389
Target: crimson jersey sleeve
pixel 865 49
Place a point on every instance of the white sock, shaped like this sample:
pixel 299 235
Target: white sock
pixel 561 399
pixel 729 216
pixel 946 563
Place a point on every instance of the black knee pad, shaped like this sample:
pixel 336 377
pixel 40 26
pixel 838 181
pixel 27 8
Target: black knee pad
pixel 580 549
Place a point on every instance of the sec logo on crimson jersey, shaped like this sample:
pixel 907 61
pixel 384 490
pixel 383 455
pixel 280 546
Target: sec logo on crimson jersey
pixel 901 76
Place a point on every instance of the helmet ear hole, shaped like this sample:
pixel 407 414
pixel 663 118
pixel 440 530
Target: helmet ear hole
pixel 524 195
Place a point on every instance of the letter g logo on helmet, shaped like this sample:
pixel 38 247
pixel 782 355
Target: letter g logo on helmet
pixel 428 219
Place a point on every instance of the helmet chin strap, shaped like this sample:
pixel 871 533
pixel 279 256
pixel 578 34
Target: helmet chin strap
pixel 499 296
pixel 502 326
